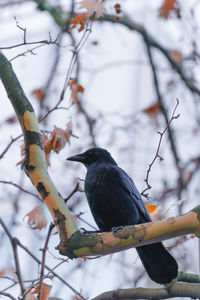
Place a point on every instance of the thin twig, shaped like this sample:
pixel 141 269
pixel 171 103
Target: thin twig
pixel 14 243
pixel 77 49
pixel 49 269
pixel 158 149
pixel 76 189
pixel 44 251
pixel 7 295
pixel 20 188
pixel 8 146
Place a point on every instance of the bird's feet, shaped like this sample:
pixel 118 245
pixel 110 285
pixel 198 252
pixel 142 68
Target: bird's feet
pixel 115 229
pixel 84 231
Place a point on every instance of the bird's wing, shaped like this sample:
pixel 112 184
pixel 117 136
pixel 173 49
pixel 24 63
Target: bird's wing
pixel 128 185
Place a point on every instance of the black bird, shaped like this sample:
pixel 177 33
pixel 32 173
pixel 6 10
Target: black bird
pixel 115 201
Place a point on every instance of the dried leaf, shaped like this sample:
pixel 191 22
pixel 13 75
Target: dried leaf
pixel 46 289
pixel 177 56
pixel 150 207
pixel 80 19
pixel 75 89
pixel 39 93
pixel 152 110
pixel 36 218
pixel 93 7
pixel 166 8
pixel 11 120
pixel 57 140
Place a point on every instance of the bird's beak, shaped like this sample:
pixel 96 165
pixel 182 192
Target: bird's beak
pixel 78 157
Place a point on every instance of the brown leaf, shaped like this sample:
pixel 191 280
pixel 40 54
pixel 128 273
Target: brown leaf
pixel 80 19
pixel 166 8
pixel 11 120
pixel 39 93
pixel 93 7
pixel 36 218
pixel 177 56
pixel 75 89
pixel 57 140
pixel 153 110
pixel 46 289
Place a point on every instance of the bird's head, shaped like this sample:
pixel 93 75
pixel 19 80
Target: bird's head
pixel 93 155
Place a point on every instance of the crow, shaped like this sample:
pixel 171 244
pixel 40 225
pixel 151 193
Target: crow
pixel 115 201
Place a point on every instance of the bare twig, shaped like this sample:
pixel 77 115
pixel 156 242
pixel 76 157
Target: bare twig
pixel 8 146
pixel 49 269
pixel 44 250
pixel 7 295
pixel 14 243
pixel 76 50
pixel 20 188
pixel 76 189
pixel 158 149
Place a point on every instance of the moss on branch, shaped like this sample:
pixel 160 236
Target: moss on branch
pixel 130 236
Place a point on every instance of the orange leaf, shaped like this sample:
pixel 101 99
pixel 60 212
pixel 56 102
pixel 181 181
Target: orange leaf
pixel 57 140
pixel 75 89
pixel 153 210
pixel 46 289
pixel 167 7
pixel 80 19
pixel 39 93
pixel 150 207
pixel 152 110
pixel 36 218
pixel 92 6
pixel 177 56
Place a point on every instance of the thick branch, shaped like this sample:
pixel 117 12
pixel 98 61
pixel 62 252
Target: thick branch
pixel 131 236
pixel 35 163
pixel 178 289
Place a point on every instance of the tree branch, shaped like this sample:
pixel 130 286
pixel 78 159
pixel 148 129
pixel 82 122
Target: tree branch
pixel 130 236
pixel 177 289
pixel 14 243
pixel 35 162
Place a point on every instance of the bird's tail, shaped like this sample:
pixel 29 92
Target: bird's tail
pixel 158 262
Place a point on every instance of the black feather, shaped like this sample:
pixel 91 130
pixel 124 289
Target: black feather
pixel 115 201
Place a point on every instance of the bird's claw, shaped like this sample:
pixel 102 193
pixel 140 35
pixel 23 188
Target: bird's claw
pixel 115 229
pixel 84 231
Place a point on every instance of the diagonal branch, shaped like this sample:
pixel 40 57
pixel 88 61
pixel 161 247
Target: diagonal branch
pixel 13 242
pixel 35 162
